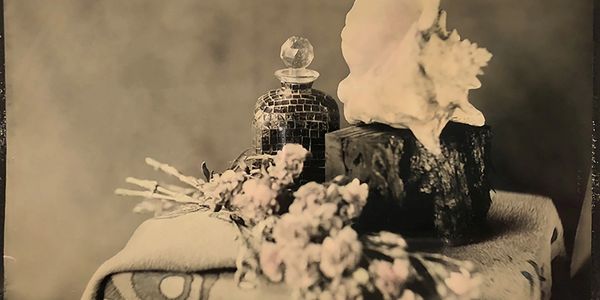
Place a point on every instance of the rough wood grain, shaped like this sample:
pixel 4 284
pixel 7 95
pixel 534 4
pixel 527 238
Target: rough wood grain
pixel 411 190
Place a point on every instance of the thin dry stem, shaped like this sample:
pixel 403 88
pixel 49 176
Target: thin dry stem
pixel 152 195
pixel 149 184
pixel 195 182
pixel 155 187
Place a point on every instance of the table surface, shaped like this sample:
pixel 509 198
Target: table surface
pixel 515 257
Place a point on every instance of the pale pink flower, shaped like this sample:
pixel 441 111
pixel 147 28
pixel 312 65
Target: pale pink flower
pixel 221 185
pixel 314 292
pixel 333 193
pixel 349 211
pixel 271 261
pixel 264 229
pixel 313 252
pixel 301 268
pixel 260 193
pixel 212 191
pixel 256 200
pixel 463 284
pixel 361 276
pixel 313 205
pixel 326 295
pixel 328 219
pixel 340 253
pixel 389 278
pixel 355 192
pixel 289 163
pixel 324 211
pixel 308 196
pixel 354 196
pixel 230 179
pixel 410 295
pixel 292 230
pixel 343 289
pixel 247 265
pixel 290 156
pixel 401 268
pixel 281 175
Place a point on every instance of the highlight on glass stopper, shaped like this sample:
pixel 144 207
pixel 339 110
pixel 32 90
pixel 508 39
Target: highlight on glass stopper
pixel 297 54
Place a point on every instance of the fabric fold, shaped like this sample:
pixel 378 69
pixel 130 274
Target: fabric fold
pixel 191 242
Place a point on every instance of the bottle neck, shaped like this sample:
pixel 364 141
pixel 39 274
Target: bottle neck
pixel 296 77
pixel 294 86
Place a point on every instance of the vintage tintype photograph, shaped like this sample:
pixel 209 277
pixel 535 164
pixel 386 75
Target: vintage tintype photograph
pixel 287 149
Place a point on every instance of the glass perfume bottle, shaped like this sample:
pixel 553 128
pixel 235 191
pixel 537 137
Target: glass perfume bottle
pixel 295 112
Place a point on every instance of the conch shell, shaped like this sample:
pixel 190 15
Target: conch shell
pixel 407 70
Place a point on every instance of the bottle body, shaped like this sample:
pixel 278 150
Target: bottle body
pixel 296 113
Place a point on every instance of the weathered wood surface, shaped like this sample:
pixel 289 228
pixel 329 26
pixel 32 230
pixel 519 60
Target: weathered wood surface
pixel 411 190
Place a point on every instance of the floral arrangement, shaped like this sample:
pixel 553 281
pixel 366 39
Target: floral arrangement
pixel 305 238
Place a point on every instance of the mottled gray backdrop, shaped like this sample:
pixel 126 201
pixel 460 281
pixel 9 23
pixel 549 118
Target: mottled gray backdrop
pixel 96 86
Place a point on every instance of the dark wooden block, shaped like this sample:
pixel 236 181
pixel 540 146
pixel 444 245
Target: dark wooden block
pixel 412 191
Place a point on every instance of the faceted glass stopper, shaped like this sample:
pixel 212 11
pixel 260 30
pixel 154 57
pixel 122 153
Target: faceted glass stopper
pixel 297 52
